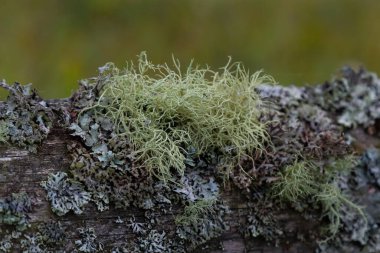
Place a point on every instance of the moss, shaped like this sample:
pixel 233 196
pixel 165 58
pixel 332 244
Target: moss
pixel 163 112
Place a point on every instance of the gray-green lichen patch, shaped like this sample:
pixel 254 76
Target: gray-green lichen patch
pixel 27 117
pixel 14 219
pixel 87 242
pixel 301 133
pixel 370 161
pixel 353 97
pixel 49 237
pixel 65 194
pixel 14 211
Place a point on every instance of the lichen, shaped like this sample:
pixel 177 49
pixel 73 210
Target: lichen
pixel 14 210
pixel 87 241
pixel 52 233
pixel 151 138
pixel 164 113
pixel 28 118
pixel 65 194
pixel 357 234
pixel 352 97
pixel 3 132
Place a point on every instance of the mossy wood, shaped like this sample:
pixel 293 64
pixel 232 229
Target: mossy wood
pixel 74 176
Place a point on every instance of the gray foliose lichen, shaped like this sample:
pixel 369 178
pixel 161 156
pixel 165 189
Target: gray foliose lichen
pixel 14 218
pixel 25 118
pixel 353 97
pixel 65 194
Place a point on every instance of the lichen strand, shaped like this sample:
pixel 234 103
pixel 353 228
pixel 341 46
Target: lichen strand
pixel 163 112
pixel 303 180
pixel 27 117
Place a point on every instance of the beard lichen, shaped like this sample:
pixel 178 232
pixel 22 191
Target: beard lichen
pixel 295 182
pixel 304 180
pixel 164 112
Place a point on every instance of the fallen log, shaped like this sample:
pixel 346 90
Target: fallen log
pixel 62 189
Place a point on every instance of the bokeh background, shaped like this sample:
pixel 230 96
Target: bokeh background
pixel 55 43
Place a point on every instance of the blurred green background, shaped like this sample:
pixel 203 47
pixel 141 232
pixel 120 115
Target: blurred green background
pixel 55 43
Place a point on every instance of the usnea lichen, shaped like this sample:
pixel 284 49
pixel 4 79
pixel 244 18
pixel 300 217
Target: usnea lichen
pixel 304 180
pixel 163 112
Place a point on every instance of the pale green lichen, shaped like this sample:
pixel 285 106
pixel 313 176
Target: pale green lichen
pixel 194 211
pixel 163 111
pixel 296 182
pixel 305 180
pixel 332 201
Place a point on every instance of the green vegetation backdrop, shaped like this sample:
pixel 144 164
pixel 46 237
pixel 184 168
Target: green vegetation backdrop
pixel 55 43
